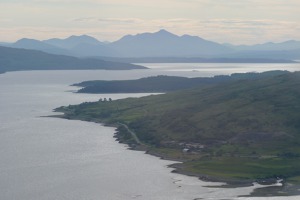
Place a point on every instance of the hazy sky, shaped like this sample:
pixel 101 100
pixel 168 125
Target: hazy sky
pixel 233 21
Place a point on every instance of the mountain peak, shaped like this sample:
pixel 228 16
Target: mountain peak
pixel 73 41
pixel 147 36
pixel 80 36
pixel 27 40
pixel 27 43
pixel 163 31
pixel 85 38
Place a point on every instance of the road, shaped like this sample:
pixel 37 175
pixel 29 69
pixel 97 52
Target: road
pixel 134 136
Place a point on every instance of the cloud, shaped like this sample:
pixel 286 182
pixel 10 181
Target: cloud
pixel 5 20
pixel 235 21
pixel 108 20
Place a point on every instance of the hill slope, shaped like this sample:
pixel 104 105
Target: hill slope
pixel 246 129
pixel 12 59
pixel 72 41
pixel 40 46
pixel 82 46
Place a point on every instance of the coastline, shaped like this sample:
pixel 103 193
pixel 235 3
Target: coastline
pixel 271 186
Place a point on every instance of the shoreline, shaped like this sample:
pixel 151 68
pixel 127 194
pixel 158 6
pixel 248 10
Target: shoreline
pixel 271 184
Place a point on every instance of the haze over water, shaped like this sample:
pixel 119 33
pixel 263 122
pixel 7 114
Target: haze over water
pixel 49 158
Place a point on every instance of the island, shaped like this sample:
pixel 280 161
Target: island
pixel 242 130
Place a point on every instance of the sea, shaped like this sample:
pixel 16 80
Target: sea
pixel 46 158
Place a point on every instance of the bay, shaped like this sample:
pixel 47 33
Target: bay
pixel 49 158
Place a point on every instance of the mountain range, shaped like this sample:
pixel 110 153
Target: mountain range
pixel 159 44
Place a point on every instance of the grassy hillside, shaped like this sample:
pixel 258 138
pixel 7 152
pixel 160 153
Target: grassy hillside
pixel 246 129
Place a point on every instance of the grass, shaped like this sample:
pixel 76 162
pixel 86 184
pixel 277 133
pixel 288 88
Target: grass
pixel 245 168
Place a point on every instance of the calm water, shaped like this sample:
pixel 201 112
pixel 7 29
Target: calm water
pixel 47 158
pixel 211 69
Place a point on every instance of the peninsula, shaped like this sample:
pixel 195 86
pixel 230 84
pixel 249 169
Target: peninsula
pixel 239 130
pixel 159 84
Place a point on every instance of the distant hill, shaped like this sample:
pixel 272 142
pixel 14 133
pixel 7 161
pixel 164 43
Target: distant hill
pixel 230 59
pixel 246 129
pixel 72 41
pixel 26 43
pixel 270 46
pixel 289 50
pixel 12 59
pixel 82 46
pixel 39 45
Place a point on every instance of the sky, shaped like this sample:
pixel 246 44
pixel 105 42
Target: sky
pixel 223 21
